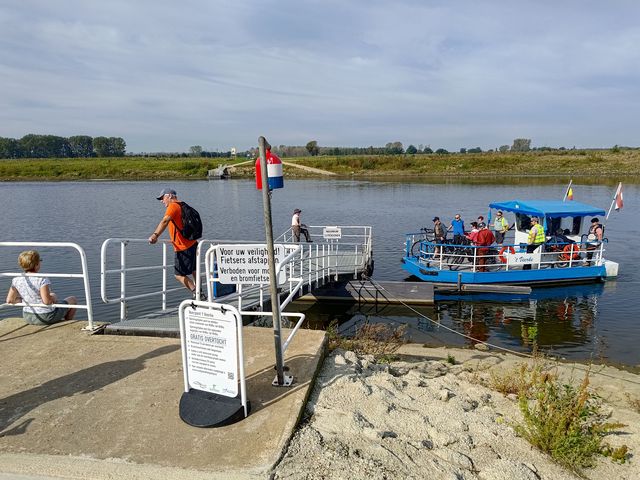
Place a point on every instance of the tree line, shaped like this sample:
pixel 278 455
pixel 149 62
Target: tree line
pixel 53 146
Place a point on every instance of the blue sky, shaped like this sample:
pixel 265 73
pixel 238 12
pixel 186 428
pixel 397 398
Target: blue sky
pixel 165 75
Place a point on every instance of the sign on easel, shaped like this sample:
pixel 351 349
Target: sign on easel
pixel 212 356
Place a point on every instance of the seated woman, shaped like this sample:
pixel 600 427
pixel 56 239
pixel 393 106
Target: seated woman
pixel 34 290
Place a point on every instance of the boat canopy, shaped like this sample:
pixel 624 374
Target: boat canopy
pixel 548 208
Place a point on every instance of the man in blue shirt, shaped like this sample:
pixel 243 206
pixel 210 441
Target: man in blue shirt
pixel 457 225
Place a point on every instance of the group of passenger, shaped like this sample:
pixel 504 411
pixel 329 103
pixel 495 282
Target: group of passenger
pixel 500 228
pixel 481 236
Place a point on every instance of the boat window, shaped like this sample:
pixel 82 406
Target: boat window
pixel 564 225
pixel 523 222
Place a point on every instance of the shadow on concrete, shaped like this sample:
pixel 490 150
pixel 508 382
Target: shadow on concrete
pixel 262 394
pixel 44 328
pixel 16 406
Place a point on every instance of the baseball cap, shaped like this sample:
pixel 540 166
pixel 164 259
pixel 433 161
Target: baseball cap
pixel 435 218
pixel 166 191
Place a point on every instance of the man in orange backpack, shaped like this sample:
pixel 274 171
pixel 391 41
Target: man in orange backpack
pixel 185 260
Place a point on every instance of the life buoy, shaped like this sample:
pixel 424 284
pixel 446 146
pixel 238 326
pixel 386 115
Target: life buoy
pixel 570 251
pixel 501 256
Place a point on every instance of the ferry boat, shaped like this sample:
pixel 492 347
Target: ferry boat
pixel 569 254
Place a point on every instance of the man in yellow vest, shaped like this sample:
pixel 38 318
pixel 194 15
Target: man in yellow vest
pixel 536 238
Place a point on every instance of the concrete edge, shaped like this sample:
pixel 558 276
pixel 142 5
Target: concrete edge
pixel 323 353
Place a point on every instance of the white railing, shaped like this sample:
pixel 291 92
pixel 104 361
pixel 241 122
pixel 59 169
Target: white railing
pixel 84 276
pixel 164 267
pixel 315 263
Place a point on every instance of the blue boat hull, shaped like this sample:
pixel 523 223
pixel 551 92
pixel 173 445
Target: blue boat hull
pixel 522 277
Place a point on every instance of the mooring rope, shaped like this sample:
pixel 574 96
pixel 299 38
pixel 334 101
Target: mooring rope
pixel 491 345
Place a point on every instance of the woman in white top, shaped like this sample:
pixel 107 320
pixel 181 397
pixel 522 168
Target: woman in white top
pixel 36 293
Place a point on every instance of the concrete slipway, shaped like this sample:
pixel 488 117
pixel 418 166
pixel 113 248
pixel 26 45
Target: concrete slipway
pixel 74 405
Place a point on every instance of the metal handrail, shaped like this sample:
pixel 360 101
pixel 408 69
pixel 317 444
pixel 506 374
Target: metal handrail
pixel 84 275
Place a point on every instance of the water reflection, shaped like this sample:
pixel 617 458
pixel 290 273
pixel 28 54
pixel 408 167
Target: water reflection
pixel 559 321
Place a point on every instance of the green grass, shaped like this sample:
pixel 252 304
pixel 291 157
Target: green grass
pixel 591 165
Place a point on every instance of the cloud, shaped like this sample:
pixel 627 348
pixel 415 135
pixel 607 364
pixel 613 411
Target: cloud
pixel 167 75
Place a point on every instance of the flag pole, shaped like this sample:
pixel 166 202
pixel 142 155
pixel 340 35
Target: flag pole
pixel 615 195
pixel 566 192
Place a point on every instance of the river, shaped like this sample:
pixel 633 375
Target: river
pixel 581 322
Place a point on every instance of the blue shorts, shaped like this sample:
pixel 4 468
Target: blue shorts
pixel 48 318
pixel 185 262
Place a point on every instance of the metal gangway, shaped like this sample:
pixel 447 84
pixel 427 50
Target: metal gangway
pixel 336 253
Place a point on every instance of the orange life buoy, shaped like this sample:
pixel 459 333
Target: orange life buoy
pixel 501 256
pixel 570 251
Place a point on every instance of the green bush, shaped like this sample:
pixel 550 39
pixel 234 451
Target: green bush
pixel 567 423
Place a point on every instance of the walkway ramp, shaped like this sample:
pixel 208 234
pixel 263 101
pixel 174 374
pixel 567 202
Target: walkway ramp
pixel 337 253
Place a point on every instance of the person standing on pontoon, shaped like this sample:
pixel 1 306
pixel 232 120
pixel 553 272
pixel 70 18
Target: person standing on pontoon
pixel 297 227
pixel 501 227
pixel 484 239
pixel 438 234
pixel 457 225
pixel 535 239
pixel 594 239
pixel 34 290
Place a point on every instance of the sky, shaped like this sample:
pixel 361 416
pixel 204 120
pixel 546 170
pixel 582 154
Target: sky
pixel 167 75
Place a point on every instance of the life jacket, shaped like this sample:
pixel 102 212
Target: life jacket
pixel 500 224
pixel 539 236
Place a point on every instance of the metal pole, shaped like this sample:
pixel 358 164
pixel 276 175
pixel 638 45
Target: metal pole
pixel 273 281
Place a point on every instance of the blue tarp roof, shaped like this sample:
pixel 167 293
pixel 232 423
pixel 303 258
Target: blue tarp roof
pixel 548 208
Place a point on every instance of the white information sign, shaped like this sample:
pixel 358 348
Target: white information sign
pixel 211 343
pixel 248 264
pixel 332 233
pixel 519 259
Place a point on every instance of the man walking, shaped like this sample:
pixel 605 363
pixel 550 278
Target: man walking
pixel 185 249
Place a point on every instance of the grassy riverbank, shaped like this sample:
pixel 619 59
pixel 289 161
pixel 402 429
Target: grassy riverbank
pixel 570 163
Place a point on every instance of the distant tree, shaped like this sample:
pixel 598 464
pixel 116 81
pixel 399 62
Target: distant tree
pixel 109 146
pixel 442 151
pixel 118 146
pixel 101 146
pixel 463 150
pixel 394 148
pixel 521 145
pixel 44 146
pixel 312 148
pixel 9 148
pixel 503 148
pixel 427 150
pixel 81 146
pixel 195 151
pixel 411 150
pixel 475 150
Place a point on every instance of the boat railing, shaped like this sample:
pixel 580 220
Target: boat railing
pixel 84 275
pixel 477 258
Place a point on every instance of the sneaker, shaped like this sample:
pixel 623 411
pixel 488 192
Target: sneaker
pixel 203 296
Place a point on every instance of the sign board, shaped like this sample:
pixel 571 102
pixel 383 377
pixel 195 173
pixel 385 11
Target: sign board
pixel 211 350
pixel 248 264
pixel 519 259
pixel 332 233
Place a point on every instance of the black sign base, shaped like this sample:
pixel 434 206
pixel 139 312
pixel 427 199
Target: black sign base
pixel 204 409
